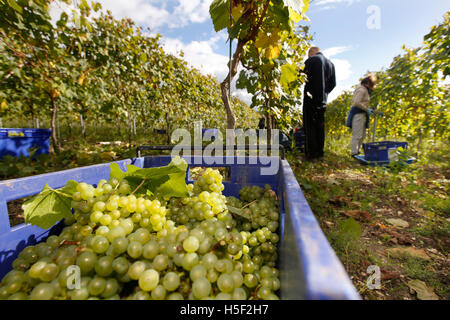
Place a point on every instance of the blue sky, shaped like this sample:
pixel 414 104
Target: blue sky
pixel 339 27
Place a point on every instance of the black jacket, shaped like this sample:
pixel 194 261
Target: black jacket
pixel 321 79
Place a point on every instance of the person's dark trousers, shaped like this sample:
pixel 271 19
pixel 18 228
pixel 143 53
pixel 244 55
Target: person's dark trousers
pixel 314 124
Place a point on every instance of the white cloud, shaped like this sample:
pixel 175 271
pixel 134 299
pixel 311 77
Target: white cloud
pixel 200 54
pixel 190 11
pixel 334 51
pixel 328 2
pixel 141 11
pixel 157 14
pixel 343 69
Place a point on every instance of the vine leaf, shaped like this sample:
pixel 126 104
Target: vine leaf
pixel 219 11
pixel 50 205
pixel 169 180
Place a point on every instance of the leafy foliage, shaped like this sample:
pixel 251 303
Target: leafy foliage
pixel 413 93
pixel 271 50
pixel 87 67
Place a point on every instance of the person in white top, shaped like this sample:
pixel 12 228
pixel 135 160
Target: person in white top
pixel 358 118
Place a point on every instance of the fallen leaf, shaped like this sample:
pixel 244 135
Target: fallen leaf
pixel 423 291
pixel 357 214
pixel 388 275
pixel 402 239
pixel 400 252
pixel 340 201
pixel 398 223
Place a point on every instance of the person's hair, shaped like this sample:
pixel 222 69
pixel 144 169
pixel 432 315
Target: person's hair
pixel 371 80
pixel 313 50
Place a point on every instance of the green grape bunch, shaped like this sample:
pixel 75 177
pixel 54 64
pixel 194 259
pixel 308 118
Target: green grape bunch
pixel 130 245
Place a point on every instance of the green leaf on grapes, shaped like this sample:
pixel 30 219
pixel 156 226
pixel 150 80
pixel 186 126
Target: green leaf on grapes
pixel 70 188
pixel 49 206
pixel 170 180
pixel 237 211
pixel 116 172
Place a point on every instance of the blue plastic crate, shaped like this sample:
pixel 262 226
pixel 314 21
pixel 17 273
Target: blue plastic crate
pixel 17 142
pixel 309 268
pixel 381 151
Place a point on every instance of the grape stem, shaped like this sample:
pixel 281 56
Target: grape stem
pixel 69 243
pixel 249 204
pixel 138 187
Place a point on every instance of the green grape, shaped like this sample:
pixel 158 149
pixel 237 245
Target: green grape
pixel 201 288
pixel 175 296
pixel 119 245
pixel 100 244
pixel 105 220
pixel 250 280
pixel 86 261
pixel 96 216
pixel 86 194
pixel 142 235
pixel 223 296
pixel 49 272
pixel 134 249
pixel 111 288
pixel 150 250
pixel 239 294
pixel 197 271
pixel 212 275
pixel 190 260
pixel 238 279
pixel 79 294
pixel 275 284
pixel 20 264
pixel 17 296
pixel 107 188
pixel 148 280
pixel 191 244
pixel 266 282
pixel 225 283
pixel 14 286
pixel 124 188
pixel 86 231
pixel 52 241
pixel 136 270
pixel 128 225
pixel 99 206
pixel 43 291
pixel 209 260
pixel 36 269
pixel 112 205
pixel 116 232
pixel 171 281
pixel 159 293
pixel 77 196
pixel 97 286
pixel 160 262
pixel 4 294
pixel 263 292
pixel 120 265
pixel 103 267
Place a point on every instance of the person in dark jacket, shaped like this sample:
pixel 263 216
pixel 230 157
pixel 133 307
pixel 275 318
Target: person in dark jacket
pixel 321 80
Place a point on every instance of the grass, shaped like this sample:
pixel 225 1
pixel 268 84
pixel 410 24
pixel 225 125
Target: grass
pixel 418 194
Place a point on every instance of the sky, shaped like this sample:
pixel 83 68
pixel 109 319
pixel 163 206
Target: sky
pixel 357 35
